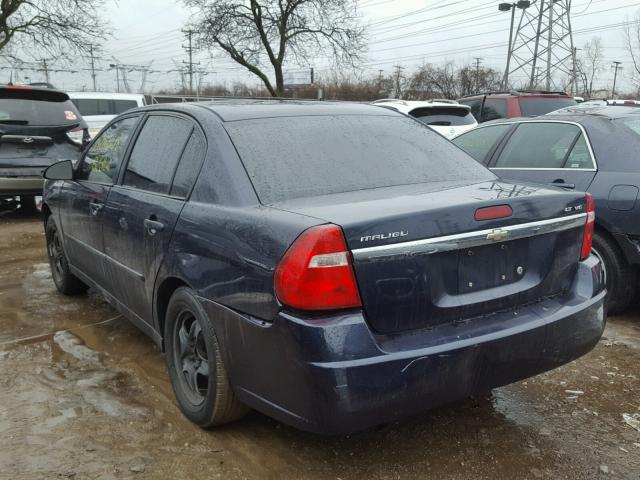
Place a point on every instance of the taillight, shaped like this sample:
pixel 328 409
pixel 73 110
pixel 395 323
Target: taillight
pixel 587 240
pixel 316 272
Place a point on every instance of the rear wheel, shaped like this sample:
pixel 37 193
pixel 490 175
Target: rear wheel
pixel 65 281
pixel 195 365
pixel 620 277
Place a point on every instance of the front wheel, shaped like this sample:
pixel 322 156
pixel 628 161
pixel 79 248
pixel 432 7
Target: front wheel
pixel 198 376
pixel 65 281
pixel 619 276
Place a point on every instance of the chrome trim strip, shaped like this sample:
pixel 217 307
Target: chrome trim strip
pixel 429 246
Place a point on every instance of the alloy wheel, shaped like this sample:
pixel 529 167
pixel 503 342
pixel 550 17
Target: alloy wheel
pixel 191 357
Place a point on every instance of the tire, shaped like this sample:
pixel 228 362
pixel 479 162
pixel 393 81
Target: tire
pixel 28 205
pixel 620 277
pixel 66 282
pixel 198 376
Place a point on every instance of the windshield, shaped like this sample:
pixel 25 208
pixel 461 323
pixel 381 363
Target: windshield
pixel 103 106
pixel 293 157
pixel 536 106
pixel 444 116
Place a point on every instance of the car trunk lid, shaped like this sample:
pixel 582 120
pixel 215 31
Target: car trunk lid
pixel 421 258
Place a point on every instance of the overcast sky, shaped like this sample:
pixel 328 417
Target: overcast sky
pixel 401 32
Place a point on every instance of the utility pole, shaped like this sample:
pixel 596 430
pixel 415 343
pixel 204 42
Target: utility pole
pixel 117 67
pixel 189 48
pixel 398 77
pixel 506 7
pixel 550 35
pixel 93 67
pixel 478 63
pixel 312 73
pixel 617 66
pixel 45 69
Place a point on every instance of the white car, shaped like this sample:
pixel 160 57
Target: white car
pixel 98 108
pixel 447 117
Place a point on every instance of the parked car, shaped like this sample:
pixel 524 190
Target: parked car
pixel 320 262
pixel 513 104
pixel 99 108
pixel 37 128
pixel 446 117
pixel 585 148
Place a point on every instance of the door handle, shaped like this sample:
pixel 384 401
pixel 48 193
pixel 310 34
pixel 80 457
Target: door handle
pixel 563 184
pixel 153 226
pixel 95 207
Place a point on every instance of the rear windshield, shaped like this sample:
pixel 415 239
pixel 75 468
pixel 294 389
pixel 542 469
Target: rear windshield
pixel 103 106
pixel 535 106
pixel 444 116
pixel 293 157
pixel 54 110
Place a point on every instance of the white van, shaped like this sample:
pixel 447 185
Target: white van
pixel 98 108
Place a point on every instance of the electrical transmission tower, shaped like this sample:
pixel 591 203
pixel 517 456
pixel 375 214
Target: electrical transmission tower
pixel 542 50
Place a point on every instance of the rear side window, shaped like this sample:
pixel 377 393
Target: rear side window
pixel 493 109
pixel 475 106
pixel 189 167
pixel 102 162
pixel 103 106
pixel 479 142
pixel 156 153
pixel 536 106
pixel 37 108
pixel 545 145
pixel 444 116
pixel 292 157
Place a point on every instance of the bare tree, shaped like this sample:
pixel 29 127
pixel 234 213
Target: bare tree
pixel 448 81
pixel 255 33
pixel 49 26
pixel 590 64
pixel 632 41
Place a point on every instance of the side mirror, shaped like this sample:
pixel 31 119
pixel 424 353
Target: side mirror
pixel 62 170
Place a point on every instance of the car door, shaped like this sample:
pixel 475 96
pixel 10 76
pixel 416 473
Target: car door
pixel 551 153
pixel 83 199
pixel 143 208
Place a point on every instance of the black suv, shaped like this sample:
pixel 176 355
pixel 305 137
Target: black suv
pixel 38 126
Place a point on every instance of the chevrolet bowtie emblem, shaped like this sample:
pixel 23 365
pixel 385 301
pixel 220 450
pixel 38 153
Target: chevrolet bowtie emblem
pixel 498 235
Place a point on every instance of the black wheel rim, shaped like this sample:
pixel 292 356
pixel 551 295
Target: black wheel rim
pixel 56 256
pixel 191 358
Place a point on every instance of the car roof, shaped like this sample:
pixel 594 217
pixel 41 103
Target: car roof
pixel 607 111
pixel 235 109
pixel 519 93
pixel 107 96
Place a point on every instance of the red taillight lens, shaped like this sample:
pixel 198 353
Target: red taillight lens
pixel 587 240
pixel 316 272
pixel 491 213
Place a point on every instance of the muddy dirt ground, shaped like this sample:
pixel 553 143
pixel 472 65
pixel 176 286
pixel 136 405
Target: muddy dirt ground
pixel 85 395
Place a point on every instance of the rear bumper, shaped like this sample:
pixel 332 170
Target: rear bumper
pixel 334 375
pixel 21 186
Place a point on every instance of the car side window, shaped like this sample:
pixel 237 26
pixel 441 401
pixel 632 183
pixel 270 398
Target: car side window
pixel 189 166
pixel 540 145
pixel 580 156
pixel 493 109
pixel 479 142
pixel 101 163
pixel 156 153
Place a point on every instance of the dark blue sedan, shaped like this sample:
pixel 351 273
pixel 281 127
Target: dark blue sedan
pixel 321 262
pixel 589 148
